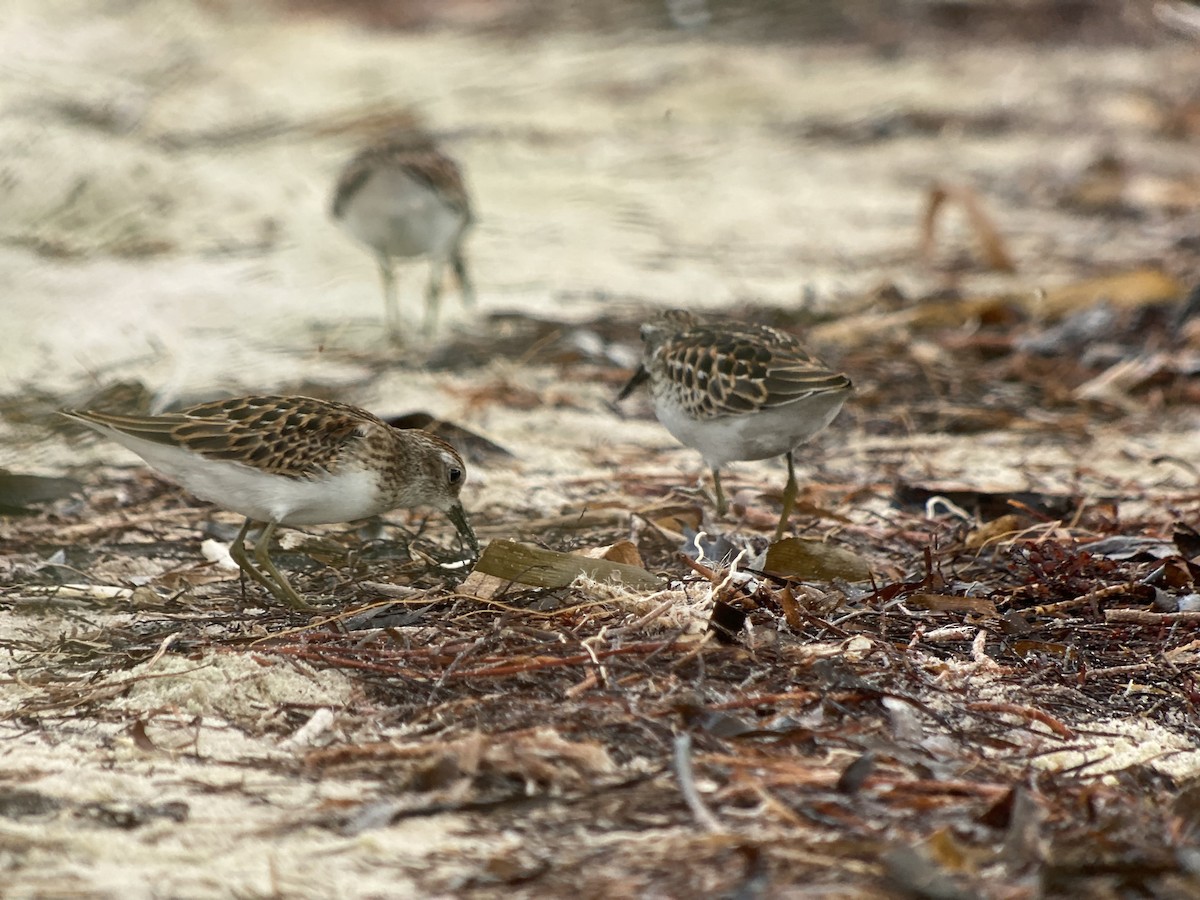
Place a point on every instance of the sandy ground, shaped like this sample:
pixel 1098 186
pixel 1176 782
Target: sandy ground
pixel 165 178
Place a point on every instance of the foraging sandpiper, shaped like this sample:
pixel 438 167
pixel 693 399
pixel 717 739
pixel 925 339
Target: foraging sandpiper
pixel 292 461
pixel 403 198
pixel 736 391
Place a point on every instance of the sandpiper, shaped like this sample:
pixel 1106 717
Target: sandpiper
pixel 403 198
pixel 736 391
pixel 292 461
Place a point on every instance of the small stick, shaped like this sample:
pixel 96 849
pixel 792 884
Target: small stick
pixel 1027 713
pixel 1090 597
pixel 687 784
pixel 1145 617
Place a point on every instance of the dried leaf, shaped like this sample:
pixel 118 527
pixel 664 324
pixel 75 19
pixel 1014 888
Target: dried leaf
pixel 791 609
pixel 1139 287
pixel 991 532
pixel 624 552
pixel 814 561
pixel 1127 290
pixel 483 586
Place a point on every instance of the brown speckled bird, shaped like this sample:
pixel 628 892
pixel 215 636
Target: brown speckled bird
pixel 403 198
pixel 292 461
pixel 736 391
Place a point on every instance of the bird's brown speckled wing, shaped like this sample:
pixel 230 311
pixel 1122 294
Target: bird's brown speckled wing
pixel 419 158
pixel 293 436
pixel 741 369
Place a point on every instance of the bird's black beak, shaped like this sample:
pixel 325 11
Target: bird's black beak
pixel 458 516
pixel 640 376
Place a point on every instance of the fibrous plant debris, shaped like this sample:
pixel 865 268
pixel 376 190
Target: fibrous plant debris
pixel 948 719
pixel 970 687
pixel 951 682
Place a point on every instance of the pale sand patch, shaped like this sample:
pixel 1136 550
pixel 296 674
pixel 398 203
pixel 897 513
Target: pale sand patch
pixel 1125 743
pixel 211 722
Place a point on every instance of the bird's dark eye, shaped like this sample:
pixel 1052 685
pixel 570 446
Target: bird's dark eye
pixel 455 475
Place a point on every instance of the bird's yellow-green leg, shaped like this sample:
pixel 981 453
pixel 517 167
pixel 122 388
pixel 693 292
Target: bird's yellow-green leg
pixel 276 583
pixel 722 506
pixel 433 293
pixel 391 302
pixel 459 263
pixel 789 498
pixel 237 550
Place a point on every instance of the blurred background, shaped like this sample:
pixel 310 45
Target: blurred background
pixel 166 171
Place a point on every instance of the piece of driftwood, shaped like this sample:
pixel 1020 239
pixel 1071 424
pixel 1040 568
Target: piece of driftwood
pixel 1154 619
pixel 539 567
pixel 814 561
pixel 950 603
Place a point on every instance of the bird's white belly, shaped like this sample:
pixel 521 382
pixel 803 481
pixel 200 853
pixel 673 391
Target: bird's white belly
pixel 399 216
pixel 258 495
pixel 761 435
